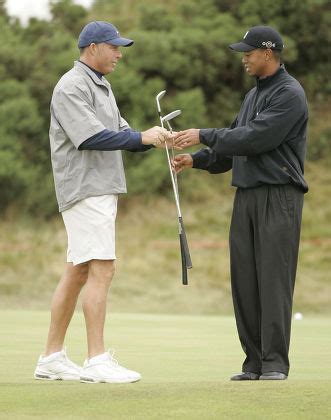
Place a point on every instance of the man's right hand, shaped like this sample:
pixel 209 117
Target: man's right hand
pixel 155 135
pixel 181 162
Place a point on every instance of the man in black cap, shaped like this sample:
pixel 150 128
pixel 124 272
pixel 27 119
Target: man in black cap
pixel 87 134
pixel 265 148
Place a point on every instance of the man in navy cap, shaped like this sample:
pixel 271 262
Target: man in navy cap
pixel 87 134
pixel 265 148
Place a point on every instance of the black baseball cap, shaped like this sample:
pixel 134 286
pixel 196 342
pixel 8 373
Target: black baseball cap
pixel 259 37
pixel 99 31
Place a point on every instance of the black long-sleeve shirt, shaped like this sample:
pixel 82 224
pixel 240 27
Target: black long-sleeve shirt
pixel 266 144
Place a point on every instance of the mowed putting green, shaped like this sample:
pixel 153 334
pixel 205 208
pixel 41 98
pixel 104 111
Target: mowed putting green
pixel 186 362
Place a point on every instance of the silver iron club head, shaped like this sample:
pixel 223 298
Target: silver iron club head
pixel 171 115
pixel 158 97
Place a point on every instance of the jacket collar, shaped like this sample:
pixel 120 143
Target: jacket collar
pixel 100 75
pixel 82 68
pixel 265 81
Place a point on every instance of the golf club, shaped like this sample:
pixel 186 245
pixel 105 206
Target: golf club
pixel 185 253
pixel 171 115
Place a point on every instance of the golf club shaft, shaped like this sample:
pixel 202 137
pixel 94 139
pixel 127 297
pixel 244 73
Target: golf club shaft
pixel 173 159
pixel 174 184
pixel 182 234
pixel 184 250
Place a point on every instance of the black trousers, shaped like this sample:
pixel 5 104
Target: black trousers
pixel 264 243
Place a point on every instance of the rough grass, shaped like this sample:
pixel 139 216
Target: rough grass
pixel 148 277
pixel 185 362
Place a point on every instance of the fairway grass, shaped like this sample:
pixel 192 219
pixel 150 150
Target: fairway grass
pixel 185 361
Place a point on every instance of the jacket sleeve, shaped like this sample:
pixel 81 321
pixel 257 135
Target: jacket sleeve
pixel 266 132
pixel 73 109
pixel 208 160
pixel 124 125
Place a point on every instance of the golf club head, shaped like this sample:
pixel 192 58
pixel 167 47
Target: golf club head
pixel 158 97
pixel 171 115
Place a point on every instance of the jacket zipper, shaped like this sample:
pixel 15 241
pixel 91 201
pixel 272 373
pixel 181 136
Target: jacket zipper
pixel 256 113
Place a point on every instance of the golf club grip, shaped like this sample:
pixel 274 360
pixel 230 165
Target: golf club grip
pixel 185 244
pixel 182 254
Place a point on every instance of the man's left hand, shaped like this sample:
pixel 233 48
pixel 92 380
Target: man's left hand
pixel 187 138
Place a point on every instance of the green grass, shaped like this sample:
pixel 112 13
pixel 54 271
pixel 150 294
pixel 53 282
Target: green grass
pixel 185 361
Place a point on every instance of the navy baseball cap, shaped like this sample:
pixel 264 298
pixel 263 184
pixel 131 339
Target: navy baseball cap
pixel 259 37
pixel 99 31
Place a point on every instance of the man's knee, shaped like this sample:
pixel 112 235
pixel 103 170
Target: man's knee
pixel 78 273
pixel 102 270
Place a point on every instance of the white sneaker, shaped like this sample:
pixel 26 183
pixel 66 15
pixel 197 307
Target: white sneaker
pixel 104 368
pixel 57 367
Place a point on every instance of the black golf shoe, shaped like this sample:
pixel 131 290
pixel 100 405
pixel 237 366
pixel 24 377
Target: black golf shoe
pixel 273 376
pixel 245 376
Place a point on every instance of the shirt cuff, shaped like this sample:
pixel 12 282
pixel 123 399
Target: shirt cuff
pixel 203 136
pixel 198 160
pixel 136 138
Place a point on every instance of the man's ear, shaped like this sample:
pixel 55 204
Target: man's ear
pixel 268 54
pixel 93 48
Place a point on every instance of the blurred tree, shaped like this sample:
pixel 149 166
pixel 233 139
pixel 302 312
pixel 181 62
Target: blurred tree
pixel 3 10
pixel 20 131
pixel 71 16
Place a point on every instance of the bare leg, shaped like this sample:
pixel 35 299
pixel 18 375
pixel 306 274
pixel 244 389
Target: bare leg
pixel 63 305
pixel 94 301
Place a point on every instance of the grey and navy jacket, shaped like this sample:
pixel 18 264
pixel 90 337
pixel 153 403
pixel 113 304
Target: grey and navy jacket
pixel 266 144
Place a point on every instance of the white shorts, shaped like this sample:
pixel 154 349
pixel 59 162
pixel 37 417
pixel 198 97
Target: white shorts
pixel 90 226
